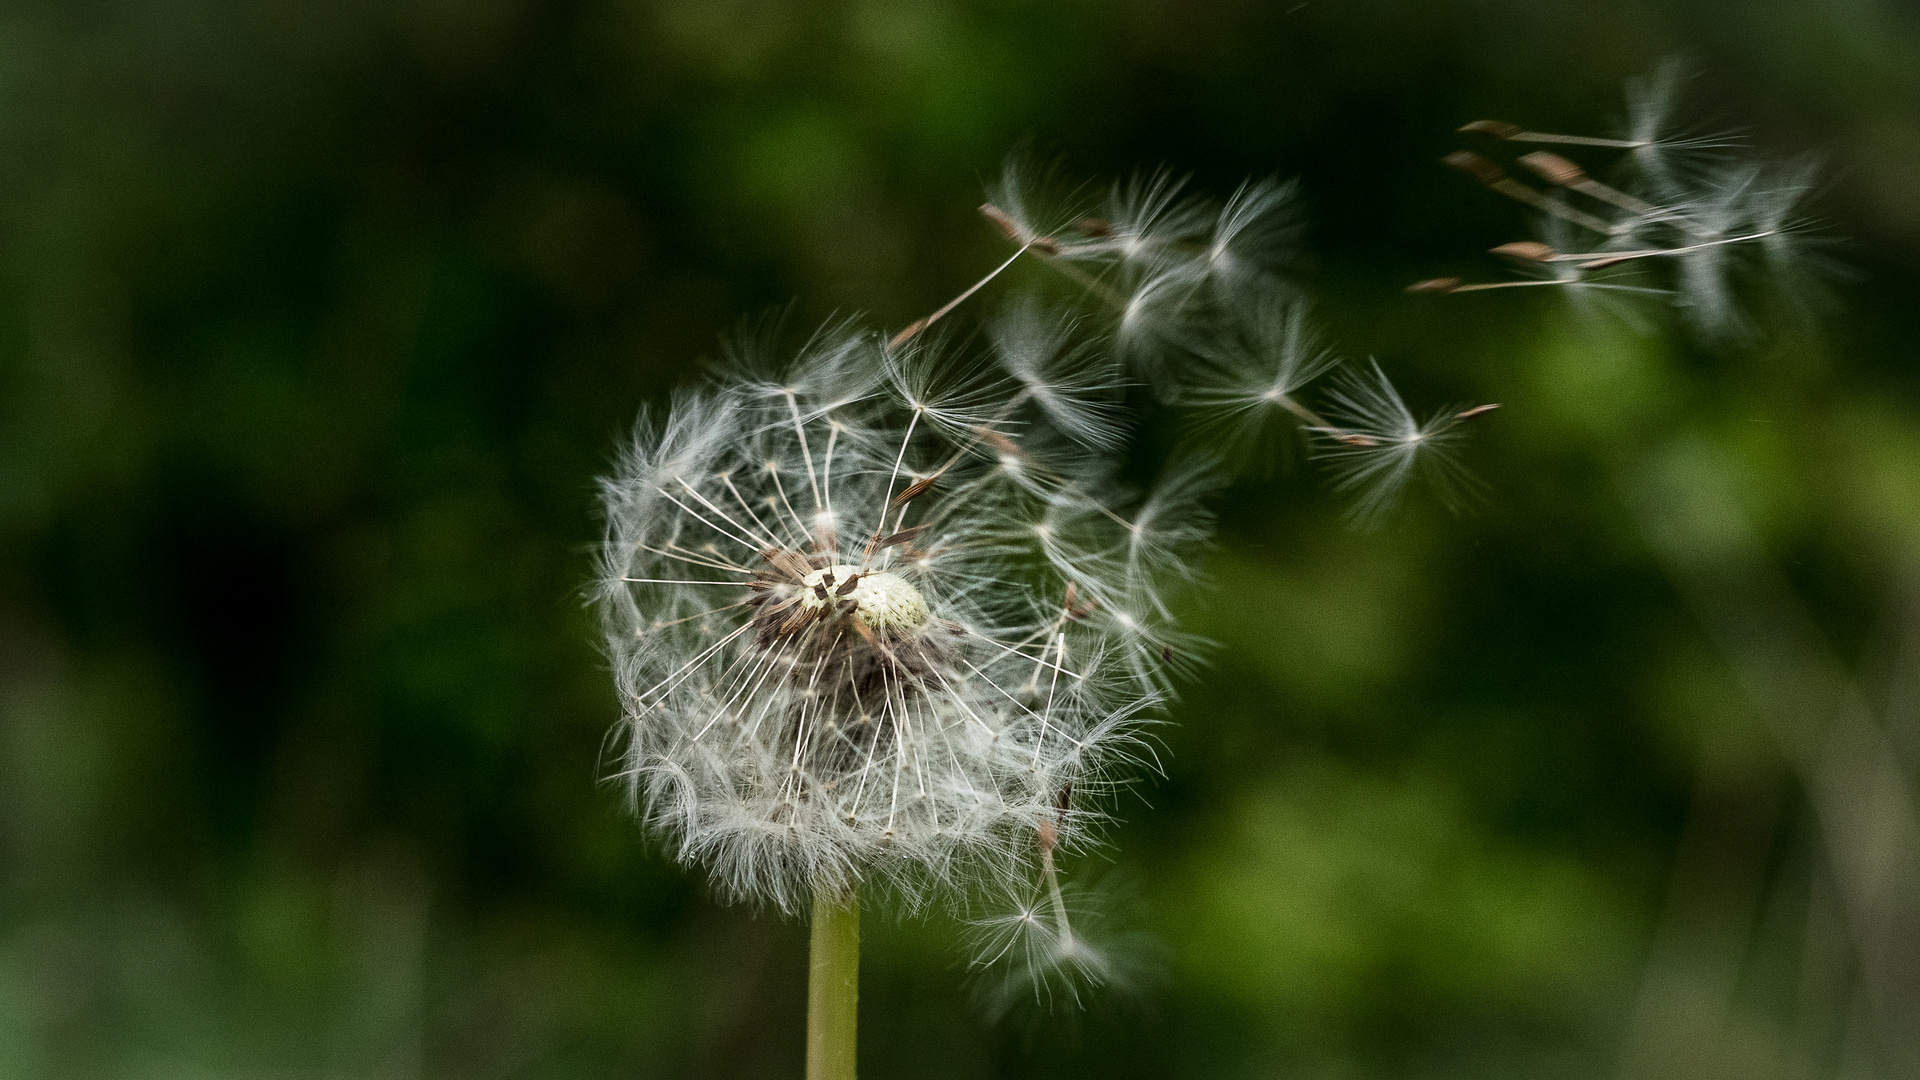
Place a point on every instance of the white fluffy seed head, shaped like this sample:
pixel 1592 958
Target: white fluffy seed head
pixel 845 651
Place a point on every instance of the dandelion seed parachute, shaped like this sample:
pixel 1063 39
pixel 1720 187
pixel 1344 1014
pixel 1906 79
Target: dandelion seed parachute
pixel 1174 272
pixel 1685 224
pixel 865 627
pixel 1257 231
pixel 1256 376
pixel 1194 304
pixel 1381 446
pixel 1054 945
pixel 1068 382
pixel 1665 154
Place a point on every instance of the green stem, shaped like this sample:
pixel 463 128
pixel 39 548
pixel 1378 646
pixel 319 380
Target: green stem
pixel 833 987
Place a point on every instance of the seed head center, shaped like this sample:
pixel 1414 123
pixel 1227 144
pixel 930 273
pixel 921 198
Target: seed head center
pixel 881 600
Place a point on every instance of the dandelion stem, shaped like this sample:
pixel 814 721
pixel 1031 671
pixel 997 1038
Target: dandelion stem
pixel 906 335
pixel 1504 285
pixel 1577 140
pixel 1060 923
pixel 1313 419
pixel 1609 258
pixel 1519 192
pixel 833 987
pixel 1496 179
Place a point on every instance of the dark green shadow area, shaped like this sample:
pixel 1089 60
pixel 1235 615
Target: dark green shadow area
pixel 318 321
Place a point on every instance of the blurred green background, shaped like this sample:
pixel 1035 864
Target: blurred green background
pixel 317 322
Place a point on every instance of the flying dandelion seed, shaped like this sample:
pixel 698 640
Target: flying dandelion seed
pixel 1380 446
pixel 1686 225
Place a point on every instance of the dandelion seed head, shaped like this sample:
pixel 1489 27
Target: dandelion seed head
pixel 857 611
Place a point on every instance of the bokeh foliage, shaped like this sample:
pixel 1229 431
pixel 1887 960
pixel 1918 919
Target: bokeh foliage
pixel 317 322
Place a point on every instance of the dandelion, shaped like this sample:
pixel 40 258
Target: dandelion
pixel 848 634
pixel 882 618
pixel 876 624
